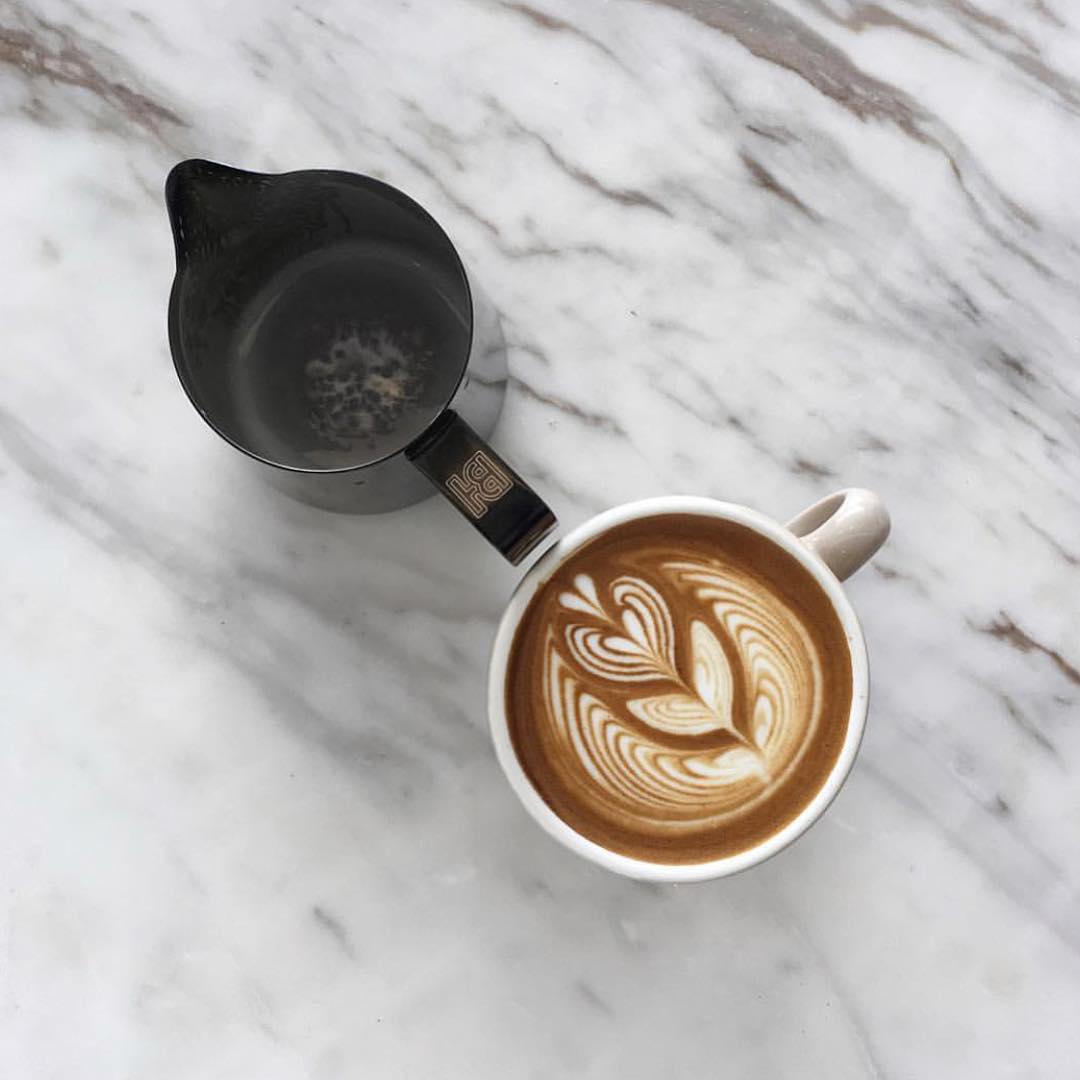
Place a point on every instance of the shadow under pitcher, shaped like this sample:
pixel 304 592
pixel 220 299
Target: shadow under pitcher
pixel 323 323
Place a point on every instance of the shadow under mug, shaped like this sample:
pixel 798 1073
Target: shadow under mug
pixel 278 277
pixel 832 539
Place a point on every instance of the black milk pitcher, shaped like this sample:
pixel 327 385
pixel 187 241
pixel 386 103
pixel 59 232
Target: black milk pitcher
pixel 323 324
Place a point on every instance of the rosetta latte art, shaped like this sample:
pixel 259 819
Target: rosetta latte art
pixel 630 637
pixel 679 700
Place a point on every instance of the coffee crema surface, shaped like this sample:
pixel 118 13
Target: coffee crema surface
pixel 679 689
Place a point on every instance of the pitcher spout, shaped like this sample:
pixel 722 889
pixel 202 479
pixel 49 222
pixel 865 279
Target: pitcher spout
pixel 210 207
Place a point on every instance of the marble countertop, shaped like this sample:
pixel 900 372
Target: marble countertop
pixel 253 824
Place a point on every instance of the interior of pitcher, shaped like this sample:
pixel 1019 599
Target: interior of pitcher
pixel 319 320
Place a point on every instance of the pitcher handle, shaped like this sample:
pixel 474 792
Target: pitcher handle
pixel 487 492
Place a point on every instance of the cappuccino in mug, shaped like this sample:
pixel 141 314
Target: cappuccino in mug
pixel 679 689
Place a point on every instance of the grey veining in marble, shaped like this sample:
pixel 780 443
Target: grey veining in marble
pixel 253 825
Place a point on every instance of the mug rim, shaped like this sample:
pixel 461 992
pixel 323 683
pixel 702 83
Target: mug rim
pixel 542 570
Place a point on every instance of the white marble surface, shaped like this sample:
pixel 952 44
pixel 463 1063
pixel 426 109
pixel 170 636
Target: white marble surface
pixel 252 823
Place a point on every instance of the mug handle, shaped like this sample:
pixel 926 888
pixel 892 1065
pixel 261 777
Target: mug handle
pixel 843 529
pixel 487 492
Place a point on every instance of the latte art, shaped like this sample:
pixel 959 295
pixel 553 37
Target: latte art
pixel 679 688
pixel 633 640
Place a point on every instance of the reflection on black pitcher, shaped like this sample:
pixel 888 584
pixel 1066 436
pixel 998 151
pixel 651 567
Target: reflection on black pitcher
pixel 323 323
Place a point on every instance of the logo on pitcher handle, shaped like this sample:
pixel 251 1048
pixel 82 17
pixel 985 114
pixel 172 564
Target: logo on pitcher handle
pixel 478 484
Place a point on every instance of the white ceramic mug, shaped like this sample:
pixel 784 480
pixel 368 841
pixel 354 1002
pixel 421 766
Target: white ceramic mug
pixel 832 539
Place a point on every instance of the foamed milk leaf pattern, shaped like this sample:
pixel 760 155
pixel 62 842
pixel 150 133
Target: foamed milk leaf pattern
pixel 638 647
pixel 708 707
pixel 679 756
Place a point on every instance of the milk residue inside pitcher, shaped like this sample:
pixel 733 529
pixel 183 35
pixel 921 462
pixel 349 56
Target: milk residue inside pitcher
pixel 341 356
